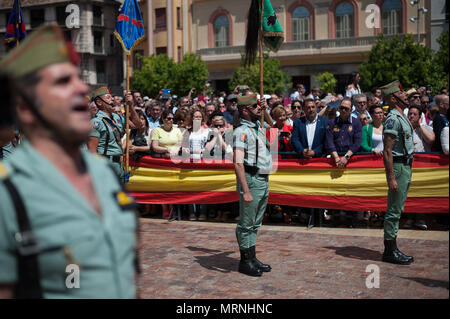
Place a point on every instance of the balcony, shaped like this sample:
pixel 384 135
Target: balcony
pixel 311 47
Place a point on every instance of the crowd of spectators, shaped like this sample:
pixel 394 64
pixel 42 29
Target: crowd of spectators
pixel 305 123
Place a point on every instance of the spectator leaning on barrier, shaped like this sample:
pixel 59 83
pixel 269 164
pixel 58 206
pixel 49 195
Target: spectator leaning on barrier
pixel 372 135
pixel 308 135
pixel 343 135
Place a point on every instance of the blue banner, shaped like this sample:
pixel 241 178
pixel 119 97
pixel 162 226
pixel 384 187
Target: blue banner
pixel 129 26
pixel 15 29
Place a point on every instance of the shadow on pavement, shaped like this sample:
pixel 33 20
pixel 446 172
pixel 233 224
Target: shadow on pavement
pixel 429 282
pixel 217 261
pixel 357 253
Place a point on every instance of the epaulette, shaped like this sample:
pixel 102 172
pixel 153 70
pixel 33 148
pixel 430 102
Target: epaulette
pixel 3 171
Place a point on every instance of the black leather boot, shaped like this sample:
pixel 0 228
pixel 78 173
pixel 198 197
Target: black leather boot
pixel 391 254
pixel 260 265
pixel 246 265
pixel 410 258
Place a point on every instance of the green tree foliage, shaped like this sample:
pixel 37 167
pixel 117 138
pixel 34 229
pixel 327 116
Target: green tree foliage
pixel 439 78
pixel 327 82
pixel 190 73
pixel 275 80
pixel 161 72
pixel 397 58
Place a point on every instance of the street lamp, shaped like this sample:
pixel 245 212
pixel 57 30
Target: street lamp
pixel 417 18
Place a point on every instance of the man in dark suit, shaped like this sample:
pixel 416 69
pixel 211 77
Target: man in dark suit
pixel 308 135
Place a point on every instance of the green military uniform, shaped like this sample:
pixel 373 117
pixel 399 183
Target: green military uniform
pixel 109 133
pixel 45 222
pixel 251 214
pixel 402 158
pixel 250 138
pixel 63 221
pixel 399 126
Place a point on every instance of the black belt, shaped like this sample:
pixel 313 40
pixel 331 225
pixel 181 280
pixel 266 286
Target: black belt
pixel 114 158
pixel 402 159
pixel 253 170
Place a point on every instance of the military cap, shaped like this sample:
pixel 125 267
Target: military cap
pixel 101 91
pixel 247 99
pixel 43 47
pixel 392 87
pixel 411 92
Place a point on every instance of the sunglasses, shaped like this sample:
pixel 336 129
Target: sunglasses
pixel 219 126
pixel 254 106
pixel 169 118
pixel 296 107
pixel 343 108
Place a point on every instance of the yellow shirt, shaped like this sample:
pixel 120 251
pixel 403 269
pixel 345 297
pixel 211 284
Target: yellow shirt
pixel 167 139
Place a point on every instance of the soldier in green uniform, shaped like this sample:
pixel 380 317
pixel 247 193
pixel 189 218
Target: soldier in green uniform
pixel 109 127
pixel 252 164
pixel 398 158
pixel 67 228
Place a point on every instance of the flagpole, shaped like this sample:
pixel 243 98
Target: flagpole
pixel 261 62
pixel 127 110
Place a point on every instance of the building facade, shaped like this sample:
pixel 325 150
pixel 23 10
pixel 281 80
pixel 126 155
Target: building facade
pixel 167 29
pixel 320 35
pixel 100 52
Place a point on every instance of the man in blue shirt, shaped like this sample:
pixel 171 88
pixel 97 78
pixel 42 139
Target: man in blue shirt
pixel 343 135
pixel 155 114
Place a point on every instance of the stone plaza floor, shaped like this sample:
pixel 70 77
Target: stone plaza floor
pixel 199 260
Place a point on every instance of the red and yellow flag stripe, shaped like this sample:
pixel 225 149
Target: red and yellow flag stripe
pixel 306 183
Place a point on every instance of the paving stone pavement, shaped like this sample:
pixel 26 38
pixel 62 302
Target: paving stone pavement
pixel 197 260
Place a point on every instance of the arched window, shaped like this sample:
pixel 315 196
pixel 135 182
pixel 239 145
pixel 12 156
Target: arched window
pixel 301 24
pixel 344 20
pixel 392 17
pixel 221 31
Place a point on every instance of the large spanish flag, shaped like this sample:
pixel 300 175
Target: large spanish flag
pixel 296 182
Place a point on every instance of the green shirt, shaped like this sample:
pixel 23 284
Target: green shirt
pixel 61 218
pixel 102 130
pixel 399 126
pixel 245 136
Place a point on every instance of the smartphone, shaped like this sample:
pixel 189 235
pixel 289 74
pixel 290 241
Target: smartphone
pixel 166 94
pixel 284 134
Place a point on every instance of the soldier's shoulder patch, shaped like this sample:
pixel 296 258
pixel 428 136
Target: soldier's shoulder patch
pixel 96 124
pixel 243 137
pixel 390 123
